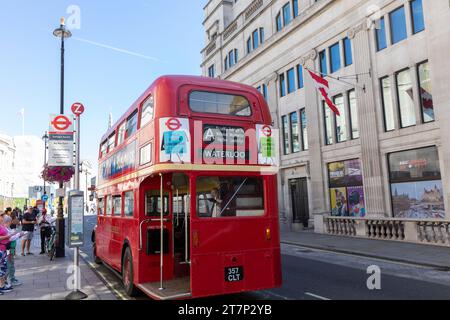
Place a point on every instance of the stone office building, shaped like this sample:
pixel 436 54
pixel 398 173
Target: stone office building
pixel 388 153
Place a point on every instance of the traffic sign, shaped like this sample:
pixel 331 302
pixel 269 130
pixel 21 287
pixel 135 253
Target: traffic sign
pixel 78 109
pixel 61 123
pixel 267 131
pixel 173 124
pixel 44 198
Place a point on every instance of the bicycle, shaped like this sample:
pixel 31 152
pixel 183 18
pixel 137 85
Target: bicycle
pixel 50 244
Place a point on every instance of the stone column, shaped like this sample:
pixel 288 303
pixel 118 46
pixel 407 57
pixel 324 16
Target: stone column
pixel 313 106
pixel 437 15
pixel 370 148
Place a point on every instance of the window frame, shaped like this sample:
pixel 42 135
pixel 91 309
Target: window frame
pixel 291 127
pixel 383 104
pixel 135 113
pixel 290 89
pixel 391 24
pixel 123 203
pixel 351 115
pixel 419 84
pixel 250 105
pixel 340 117
pixel 381 32
pixel 146 103
pixel 330 52
pixel 413 21
pixel 399 107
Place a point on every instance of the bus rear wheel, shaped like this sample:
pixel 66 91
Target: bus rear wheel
pixel 128 273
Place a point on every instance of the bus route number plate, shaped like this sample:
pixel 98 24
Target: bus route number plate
pixel 234 274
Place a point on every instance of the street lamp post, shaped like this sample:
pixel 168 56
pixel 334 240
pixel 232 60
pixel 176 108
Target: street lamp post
pixel 45 138
pixel 62 33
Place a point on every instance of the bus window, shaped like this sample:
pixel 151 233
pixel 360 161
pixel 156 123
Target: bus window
pixel 153 203
pixel 132 124
pixel 111 142
pixel 230 197
pixel 109 205
pixel 147 111
pixel 117 203
pixel 219 103
pixel 121 133
pixel 104 149
pixel 129 204
pixel 100 206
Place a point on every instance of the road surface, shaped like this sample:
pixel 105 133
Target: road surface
pixel 321 275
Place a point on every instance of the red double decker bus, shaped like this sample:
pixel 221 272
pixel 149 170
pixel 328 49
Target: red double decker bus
pixel 187 195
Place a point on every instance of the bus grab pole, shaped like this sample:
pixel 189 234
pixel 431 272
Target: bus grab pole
pixel 162 237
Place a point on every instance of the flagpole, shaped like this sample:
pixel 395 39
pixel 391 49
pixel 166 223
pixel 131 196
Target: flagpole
pixel 337 79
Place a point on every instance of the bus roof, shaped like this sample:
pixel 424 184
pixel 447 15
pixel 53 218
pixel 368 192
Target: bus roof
pixel 173 82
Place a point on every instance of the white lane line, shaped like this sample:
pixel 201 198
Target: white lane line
pixel 316 296
pixel 276 295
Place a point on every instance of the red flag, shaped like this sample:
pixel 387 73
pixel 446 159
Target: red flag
pixel 323 87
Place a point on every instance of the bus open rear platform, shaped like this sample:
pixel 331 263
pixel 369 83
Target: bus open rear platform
pixel 173 289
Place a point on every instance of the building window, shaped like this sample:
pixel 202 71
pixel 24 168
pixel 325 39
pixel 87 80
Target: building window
pixel 263 90
pixel 284 122
pixel 111 142
pixel 346 189
pixel 279 22
pixel 425 88
pixel 323 63
pixel 354 120
pixel 381 35
pixel 348 56
pixel 282 85
pixel 416 185
pixel 291 80
pixel 211 71
pixel 109 205
pixel 406 99
pixel 300 79
pixel 226 63
pixel 249 45
pixel 287 14
pixel 335 58
pixel 418 23
pixel 295 7
pixel 304 125
pixel 341 122
pixel 261 35
pixel 328 117
pixel 398 25
pixel 388 106
pixel 255 38
pixel 295 132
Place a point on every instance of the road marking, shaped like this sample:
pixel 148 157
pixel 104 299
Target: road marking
pixel 316 296
pixel 107 283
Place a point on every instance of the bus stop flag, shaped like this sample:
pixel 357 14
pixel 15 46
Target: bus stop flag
pixel 323 87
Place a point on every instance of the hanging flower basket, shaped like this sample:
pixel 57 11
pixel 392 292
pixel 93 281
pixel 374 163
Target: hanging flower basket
pixel 57 174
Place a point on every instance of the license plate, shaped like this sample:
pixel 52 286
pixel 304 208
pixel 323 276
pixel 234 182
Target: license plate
pixel 234 274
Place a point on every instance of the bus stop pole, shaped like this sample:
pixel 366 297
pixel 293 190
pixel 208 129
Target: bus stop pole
pixel 161 287
pixel 77 294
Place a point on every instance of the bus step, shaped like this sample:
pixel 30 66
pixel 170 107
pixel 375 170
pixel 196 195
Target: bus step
pixel 173 289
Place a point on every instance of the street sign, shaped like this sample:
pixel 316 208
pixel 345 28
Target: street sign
pixel 44 198
pixel 60 145
pixel 35 190
pixel 173 124
pixel 76 219
pixel 77 109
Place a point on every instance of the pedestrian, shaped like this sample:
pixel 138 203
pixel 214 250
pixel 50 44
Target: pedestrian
pixel 28 223
pixel 12 252
pixel 14 217
pixel 45 227
pixel 4 241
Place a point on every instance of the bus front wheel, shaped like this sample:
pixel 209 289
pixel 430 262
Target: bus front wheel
pixel 128 273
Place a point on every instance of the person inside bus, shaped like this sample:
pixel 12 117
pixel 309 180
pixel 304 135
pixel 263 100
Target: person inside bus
pixel 226 194
pixel 216 203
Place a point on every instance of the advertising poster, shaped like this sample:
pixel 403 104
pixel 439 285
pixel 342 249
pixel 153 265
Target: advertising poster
pixel 174 140
pixel 76 220
pixel 353 174
pixel 418 200
pixel 337 173
pixel 267 139
pixel 356 203
pixel 338 202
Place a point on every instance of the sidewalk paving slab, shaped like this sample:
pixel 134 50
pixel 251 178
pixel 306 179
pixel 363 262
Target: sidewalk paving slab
pixel 417 254
pixel 49 280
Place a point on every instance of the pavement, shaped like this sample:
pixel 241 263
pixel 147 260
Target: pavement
pixel 416 254
pixel 49 280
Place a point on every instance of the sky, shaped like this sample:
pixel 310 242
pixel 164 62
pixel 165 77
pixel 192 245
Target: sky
pixel 117 50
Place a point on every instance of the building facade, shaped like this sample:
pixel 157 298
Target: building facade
pixel 385 154
pixel 7 152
